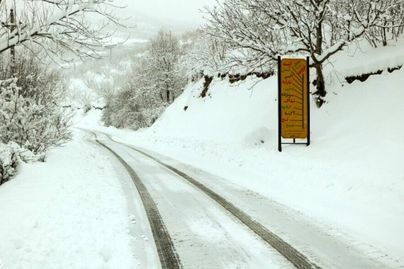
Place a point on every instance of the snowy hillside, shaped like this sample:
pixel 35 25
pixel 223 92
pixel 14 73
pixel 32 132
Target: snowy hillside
pixel 350 179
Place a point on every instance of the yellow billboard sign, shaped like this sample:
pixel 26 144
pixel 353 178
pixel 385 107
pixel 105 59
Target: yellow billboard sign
pixel 294 111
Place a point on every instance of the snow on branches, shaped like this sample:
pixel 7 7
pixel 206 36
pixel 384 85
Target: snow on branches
pixel 156 81
pixel 317 28
pixel 56 25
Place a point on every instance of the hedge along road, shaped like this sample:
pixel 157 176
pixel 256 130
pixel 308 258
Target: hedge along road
pixel 201 229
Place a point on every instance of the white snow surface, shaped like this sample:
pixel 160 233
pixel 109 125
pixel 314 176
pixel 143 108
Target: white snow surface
pixel 350 180
pixel 74 211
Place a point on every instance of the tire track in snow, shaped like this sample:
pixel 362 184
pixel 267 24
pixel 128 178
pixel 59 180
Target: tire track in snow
pixel 165 248
pixel 285 249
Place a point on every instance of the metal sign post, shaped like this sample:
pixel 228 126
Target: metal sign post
pixel 293 100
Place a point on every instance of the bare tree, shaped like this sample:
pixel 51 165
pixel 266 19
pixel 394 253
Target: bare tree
pixel 204 55
pixel 102 84
pixel 164 55
pixel 57 25
pixel 156 80
pixel 319 28
pixel 390 27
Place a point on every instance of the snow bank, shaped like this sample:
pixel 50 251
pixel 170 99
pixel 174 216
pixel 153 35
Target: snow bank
pixel 71 212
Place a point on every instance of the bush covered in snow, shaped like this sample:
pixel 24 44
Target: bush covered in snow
pixel 10 156
pixel 8 161
pixel 31 118
pixel 30 111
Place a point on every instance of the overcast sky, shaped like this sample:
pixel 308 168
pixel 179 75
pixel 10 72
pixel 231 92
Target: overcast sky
pixel 167 11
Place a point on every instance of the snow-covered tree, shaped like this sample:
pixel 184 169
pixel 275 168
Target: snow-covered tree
pixel 204 55
pixel 139 103
pixel 390 28
pixel 30 111
pixel 102 83
pixel 156 80
pixel 164 72
pixel 55 25
pixel 318 28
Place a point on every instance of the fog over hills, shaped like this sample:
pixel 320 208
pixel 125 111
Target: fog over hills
pixel 175 12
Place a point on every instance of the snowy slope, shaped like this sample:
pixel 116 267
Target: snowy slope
pixel 350 179
pixel 229 114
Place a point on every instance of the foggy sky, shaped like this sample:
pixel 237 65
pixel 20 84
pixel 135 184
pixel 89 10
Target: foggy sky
pixel 166 11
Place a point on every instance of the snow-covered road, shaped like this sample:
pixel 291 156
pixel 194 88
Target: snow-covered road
pixel 81 209
pixel 206 236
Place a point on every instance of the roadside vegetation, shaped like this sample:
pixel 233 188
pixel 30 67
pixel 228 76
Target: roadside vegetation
pixel 35 38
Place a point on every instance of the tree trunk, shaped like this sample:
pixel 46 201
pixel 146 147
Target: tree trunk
pixel 12 51
pixel 320 85
pixel 319 40
pixel 384 34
